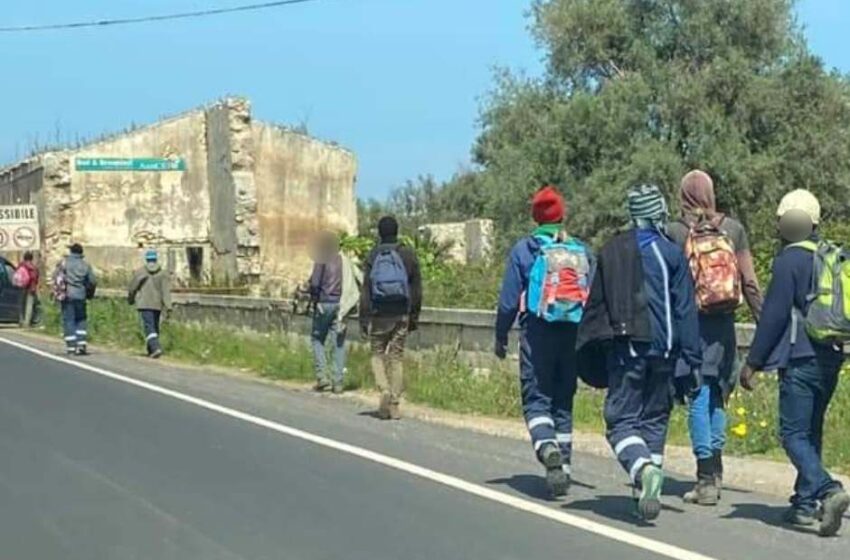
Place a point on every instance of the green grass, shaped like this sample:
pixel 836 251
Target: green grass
pixel 441 380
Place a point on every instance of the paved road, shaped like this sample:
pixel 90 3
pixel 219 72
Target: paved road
pixel 93 467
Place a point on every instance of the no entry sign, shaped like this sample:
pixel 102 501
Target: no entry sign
pixel 19 228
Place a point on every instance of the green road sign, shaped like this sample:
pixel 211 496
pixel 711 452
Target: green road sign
pixel 129 164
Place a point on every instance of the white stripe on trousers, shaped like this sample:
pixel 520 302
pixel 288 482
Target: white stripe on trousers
pixel 540 421
pixel 151 337
pixel 628 442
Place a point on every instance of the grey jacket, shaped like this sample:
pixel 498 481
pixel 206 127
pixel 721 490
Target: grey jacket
pixel 78 276
pixel 150 288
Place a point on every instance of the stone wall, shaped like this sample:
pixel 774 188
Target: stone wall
pixel 467 242
pixel 303 185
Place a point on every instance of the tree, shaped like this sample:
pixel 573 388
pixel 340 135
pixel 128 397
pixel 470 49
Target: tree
pixel 643 90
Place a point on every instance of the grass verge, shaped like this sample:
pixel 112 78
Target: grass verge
pixel 441 380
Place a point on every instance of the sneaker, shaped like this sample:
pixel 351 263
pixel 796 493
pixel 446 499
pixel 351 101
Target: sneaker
pixel 82 350
pixel 705 493
pixel 321 386
pixel 832 510
pixel 156 354
pixel 337 389
pixel 649 502
pixel 557 478
pixel 798 517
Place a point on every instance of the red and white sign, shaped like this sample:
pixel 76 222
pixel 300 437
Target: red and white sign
pixel 19 228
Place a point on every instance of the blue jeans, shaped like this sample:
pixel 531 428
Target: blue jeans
pixel 74 323
pixel 150 327
pixel 707 420
pixel 325 321
pixel 805 389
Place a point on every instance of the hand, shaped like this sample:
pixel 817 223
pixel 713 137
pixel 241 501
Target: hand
pixel 501 350
pixel 748 378
pixel 687 386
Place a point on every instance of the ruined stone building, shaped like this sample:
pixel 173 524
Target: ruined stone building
pixel 226 199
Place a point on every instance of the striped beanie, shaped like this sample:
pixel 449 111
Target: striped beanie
pixel 647 206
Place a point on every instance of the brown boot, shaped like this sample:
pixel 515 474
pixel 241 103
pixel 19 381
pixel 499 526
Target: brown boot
pixel 705 492
pixel 384 407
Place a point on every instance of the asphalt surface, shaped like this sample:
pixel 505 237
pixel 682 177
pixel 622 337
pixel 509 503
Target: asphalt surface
pixel 93 467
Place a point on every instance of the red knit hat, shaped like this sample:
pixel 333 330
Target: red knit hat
pixel 547 206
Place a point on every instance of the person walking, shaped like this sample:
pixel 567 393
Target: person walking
pixel 74 284
pixel 718 253
pixel 390 303
pixel 326 283
pixel 150 292
pixel 801 334
pixel 27 277
pixel 641 312
pixel 546 284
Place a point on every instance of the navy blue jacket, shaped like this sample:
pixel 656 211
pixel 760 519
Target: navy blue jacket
pixel 790 285
pixel 669 289
pixel 515 284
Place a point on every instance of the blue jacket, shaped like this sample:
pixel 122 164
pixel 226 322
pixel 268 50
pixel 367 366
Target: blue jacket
pixel 790 284
pixel 673 317
pixel 515 284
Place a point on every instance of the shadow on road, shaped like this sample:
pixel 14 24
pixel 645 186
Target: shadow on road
pixel 677 487
pixel 617 508
pixel 767 514
pixel 531 485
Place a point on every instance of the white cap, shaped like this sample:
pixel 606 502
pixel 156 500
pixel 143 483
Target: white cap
pixel 801 200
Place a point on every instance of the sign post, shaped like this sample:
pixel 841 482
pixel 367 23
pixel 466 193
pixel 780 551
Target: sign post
pixel 19 229
pixel 128 164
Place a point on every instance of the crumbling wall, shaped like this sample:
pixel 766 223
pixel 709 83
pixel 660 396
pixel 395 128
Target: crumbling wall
pixel 222 192
pixel 243 160
pixel 468 242
pixel 113 212
pixel 303 185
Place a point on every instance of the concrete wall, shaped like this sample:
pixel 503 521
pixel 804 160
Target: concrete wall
pixel 222 193
pixel 303 185
pixel 468 242
pixel 115 211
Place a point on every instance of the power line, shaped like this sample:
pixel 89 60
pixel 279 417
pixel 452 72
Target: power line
pixel 146 19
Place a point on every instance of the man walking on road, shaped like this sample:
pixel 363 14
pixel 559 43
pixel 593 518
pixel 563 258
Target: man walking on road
pixel 390 303
pixel 75 283
pixel 150 292
pixel 641 310
pixel 718 253
pixel 546 282
pixel 790 340
pixel 326 284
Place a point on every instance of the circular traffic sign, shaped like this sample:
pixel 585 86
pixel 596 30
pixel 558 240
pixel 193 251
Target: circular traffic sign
pixel 4 238
pixel 24 237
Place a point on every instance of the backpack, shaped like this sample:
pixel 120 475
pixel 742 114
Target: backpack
pixel 827 318
pixel 60 282
pixel 22 277
pixel 714 266
pixel 388 278
pixel 559 281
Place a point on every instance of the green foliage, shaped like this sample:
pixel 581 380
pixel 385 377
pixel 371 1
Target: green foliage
pixel 643 90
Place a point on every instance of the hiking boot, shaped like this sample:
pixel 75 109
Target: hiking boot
pixel 82 350
pixel 395 413
pixel 557 478
pixel 798 517
pixel 156 354
pixel 718 473
pixel 337 389
pixel 384 407
pixel 649 502
pixel 705 492
pixel 832 510
pixel 322 385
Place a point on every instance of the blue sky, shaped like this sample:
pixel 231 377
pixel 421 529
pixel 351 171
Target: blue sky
pixel 397 81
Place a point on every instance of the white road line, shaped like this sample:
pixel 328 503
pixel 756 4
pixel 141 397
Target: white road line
pixel 520 504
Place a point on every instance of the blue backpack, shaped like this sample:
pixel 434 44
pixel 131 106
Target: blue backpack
pixel 559 280
pixel 388 278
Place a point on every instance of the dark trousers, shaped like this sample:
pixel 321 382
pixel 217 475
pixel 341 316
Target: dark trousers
pixel 637 408
pixel 805 389
pixel 548 382
pixel 74 323
pixel 150 327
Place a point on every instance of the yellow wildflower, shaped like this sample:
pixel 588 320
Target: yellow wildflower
pixel 741 411
pixel 763 424
pixel 740 430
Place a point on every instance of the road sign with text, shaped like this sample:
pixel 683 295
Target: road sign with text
pixel 19 229
pixel 129 164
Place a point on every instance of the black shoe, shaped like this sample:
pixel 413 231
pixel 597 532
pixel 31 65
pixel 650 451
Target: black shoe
pixel 832 510
pixel 718 473
pixel 82 350
pixel 798 517
pixel 557 479
pixel 156 354
pixel 321 386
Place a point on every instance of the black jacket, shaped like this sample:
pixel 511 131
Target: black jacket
pixel 617 306
pixel 414 278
